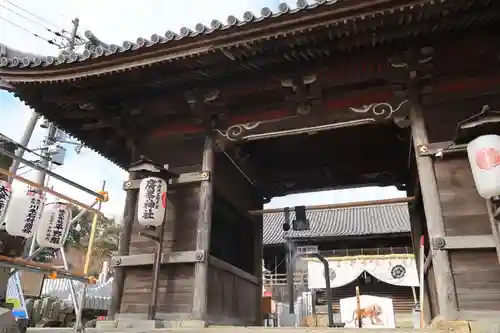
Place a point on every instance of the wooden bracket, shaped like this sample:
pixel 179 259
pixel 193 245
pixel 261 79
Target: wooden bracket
pixel 184 178
pixel 464 242
pixel 166 258
pixel 216 262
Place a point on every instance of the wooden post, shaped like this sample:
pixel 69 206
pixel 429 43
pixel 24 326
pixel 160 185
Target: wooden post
pixel 258 234
pixel 123 249
pixel 358 308
pixel 446 293
pixel 203 232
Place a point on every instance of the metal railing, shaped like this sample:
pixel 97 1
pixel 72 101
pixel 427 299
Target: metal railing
pixel 274 279
pixel 367 251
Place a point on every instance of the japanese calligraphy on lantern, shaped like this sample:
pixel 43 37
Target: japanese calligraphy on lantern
pixel 54 225
pixel 5 195
pixel 152 201
pixel 24 214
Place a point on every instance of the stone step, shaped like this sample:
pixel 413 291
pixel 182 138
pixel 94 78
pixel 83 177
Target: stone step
pixel 235 330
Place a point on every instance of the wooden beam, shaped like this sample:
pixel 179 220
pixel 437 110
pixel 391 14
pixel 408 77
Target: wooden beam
pixel 166 258
pixel 38 267
pixel 184 178
pixel 339 205
pixel 123 249
pixel 468 242
pixel 204 226
pixel 48 190
pixel 221 264
pixel 258 229
pixel 445 285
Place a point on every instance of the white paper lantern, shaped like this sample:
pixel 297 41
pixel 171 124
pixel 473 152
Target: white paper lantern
pixel 5 195
pixel 484 159
pixel 54 225
pixel 24 214
pixel 152 201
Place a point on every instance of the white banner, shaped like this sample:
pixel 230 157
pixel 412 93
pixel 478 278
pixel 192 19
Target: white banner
pixel 395 271
pixel 375 312
pixel 399 272
pixel 341 273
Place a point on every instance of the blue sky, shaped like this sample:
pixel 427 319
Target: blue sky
pixel 113 24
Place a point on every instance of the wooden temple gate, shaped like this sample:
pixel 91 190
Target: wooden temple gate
pixel 329 95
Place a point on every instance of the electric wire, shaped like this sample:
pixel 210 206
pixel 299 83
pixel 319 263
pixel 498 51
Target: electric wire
pixel 34 15
pixel 63 34
pixel 51 42
pixel 18 145
pixel 58 34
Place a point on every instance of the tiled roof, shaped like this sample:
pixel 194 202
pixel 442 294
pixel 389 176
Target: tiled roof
pixel 97 49
pixel 356 221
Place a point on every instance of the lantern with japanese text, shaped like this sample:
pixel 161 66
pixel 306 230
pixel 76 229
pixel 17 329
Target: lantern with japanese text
pixel 5 195
pixel 152 201
pixel 54 225
pixel 484 159
pixel 24 214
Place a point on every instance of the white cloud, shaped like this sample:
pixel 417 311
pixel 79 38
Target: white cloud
pixel 114 22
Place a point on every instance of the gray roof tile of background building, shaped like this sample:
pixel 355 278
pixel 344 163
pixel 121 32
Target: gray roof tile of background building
pixel 356 221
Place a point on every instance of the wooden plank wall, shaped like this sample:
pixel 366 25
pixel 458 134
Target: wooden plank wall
pixel 476 272
pixel 232 299
pixel 176 280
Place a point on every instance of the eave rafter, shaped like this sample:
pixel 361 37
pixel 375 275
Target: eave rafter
pixel 347 21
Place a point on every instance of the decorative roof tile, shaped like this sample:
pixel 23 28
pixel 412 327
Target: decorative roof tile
pixel 97 49
pixel 356 221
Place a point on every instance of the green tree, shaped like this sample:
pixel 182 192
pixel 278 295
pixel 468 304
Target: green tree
pixel 106 240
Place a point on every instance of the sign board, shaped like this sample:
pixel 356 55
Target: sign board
pixel 376 312
pixel 16 298
pixel 310 249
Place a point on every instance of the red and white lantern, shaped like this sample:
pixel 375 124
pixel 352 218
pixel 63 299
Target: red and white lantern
pixel 24 214
pixel 152 201
pixel 5 195
pixel 54 225
pixel 484 159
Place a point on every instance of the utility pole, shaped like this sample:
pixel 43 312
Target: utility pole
pixel 52 130
pixel 30 127
pixel 72 38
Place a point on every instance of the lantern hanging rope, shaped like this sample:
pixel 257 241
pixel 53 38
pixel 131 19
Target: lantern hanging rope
pixel 48 190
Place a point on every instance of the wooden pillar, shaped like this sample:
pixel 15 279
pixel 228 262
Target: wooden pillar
pixel 123 249
pixel 416 232
pixel 203 233
pixel 446 293
pixel 258 249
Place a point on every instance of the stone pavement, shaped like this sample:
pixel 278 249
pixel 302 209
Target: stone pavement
pixel 235 330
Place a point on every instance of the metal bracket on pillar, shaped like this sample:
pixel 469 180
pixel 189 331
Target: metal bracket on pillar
pixel 438 149
pixel 181 179
pixel 438 243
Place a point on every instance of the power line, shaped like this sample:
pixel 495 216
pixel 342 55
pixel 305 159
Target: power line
pixel 34 15
pixel 58 34
pixel 51 42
